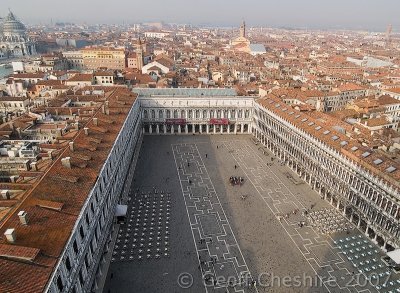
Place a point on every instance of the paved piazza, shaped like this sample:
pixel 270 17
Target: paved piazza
pixel 189 230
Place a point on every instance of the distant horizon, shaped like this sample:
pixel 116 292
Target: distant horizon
pixel 362 15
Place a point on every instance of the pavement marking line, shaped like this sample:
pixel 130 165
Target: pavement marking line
pixel 307 259
pixel 187 212
pixel 222 249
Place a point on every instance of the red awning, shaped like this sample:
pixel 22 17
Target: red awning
pixel 219 121
pixel 175 121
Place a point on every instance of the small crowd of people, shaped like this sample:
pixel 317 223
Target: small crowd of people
pixel 233 180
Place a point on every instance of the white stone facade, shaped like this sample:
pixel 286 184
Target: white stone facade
pixel 366 200
pixel 83 253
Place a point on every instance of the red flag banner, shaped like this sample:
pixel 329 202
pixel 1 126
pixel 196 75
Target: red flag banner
pixel 178 121
pixel 219 121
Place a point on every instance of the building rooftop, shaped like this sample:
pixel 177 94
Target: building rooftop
pixel 333 138
pixel 193 92
pixel 52 211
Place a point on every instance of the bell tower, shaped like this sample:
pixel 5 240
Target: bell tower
pixel 243 30
pixel 139 54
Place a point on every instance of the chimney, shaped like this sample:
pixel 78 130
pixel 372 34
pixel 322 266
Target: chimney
pixel 95 122
pixel 19 132
pixel 33 166
pixel 23 217
pixel 86 129
pixel 66 162
pixel 71 146
pixel 5 194
pixel 11 235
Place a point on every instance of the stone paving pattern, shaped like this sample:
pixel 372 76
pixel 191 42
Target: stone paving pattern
pixel 242 226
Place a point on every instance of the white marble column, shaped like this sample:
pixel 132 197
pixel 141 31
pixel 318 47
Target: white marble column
pixel 172 129
pixel 235 128
pixel 179 129
pixel 229 127
pixel 150 129
pixel 193 128
pixel 186 129
pixel 214 129
pixel 165 129
pixel 157 129
pixel 241 128
pixel 208 129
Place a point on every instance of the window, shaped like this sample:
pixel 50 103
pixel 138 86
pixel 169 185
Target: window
pixel 68 264
pixel 87 219
pixel 82 232
pixel 86 261
pixel 60 284
pixel 160 114
pixel 75 246
pixel 96 235
pixel 175 113
pixel 153 114
pixel 168 114
pixel 81 277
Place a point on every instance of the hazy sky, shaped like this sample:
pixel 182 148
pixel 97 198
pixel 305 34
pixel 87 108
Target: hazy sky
pixel 364 14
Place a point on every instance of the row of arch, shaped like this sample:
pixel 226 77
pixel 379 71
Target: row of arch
pixel 376 213
pixel 196 114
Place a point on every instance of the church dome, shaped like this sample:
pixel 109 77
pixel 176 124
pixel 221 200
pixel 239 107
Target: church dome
pixel 12 27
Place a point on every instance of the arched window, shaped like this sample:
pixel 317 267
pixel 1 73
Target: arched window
pixel 212 114
pixel 233 114
pixel 197 114
pixel 240 115
pixel 168 114
pixel 204 114
pixel 183 114
pixel 190 114
pixel 145 114
pixel 247 114
pixel 153 114
pixel 218 113
pixel 225 113
pixel 175 113
pixel 160 114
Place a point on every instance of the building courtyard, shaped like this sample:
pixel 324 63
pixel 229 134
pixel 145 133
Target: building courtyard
pixel 189 229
